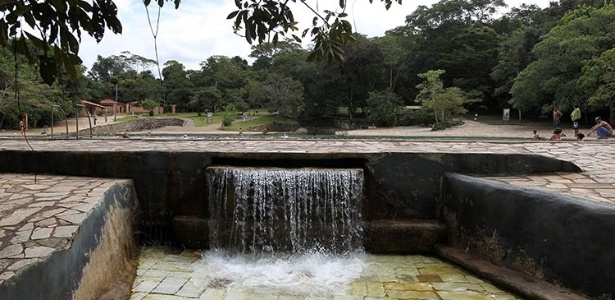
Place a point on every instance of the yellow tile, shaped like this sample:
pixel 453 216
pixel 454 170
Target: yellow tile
pixel 466 295
pixel 408 286
pixel 413 295
pixel 375 289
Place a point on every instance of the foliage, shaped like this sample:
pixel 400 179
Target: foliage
pixel 150 104
pixel 598 79
pixel 269 20
pixel 21 92
pixel 230 114
pixel 443 103
pixel 59 25
pixel 281 94
pixel 381 108
pixel 553 78
pixel 527 57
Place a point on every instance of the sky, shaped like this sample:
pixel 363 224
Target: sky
pixel 198 29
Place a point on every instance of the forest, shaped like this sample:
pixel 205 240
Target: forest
pixel 453 57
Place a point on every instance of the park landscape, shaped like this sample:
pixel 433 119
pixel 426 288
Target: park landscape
pixel 435 119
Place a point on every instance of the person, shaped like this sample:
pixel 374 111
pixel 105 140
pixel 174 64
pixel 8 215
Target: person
pixel 94 120
pixel 22 126
pixel 602 128
pixel 536 135
pixel 557 115
pixel 575 115
pixel 105 118
pixel 557 135
pixel 580 137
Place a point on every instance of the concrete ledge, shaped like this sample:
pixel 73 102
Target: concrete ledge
pixel 517 282
pixel 69 238
pixel 381 236
pixel 403 236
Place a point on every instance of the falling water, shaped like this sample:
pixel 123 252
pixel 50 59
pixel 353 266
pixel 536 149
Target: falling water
pixel 267 210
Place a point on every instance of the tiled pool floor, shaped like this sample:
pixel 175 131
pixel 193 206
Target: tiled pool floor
pixel 166 274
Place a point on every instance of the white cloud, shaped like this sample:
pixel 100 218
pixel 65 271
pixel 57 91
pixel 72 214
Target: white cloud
pixel 199 29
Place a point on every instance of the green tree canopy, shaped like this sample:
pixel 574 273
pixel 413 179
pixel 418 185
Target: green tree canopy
pixel 61 23
pixel 553 78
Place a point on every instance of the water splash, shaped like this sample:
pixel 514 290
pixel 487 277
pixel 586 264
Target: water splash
pixel 313 274
pixel 266 210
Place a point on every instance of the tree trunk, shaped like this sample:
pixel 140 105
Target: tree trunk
pixel 350 104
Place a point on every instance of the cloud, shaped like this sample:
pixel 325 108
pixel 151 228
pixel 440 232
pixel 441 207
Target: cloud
pixel 199 29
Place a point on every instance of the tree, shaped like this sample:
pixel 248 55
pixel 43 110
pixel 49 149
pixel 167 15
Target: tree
pixel 61 23
pixel 443 103
pixel 178 87
pixel 598 79
pixel 150 104
pixel 382 108
pixel 281 94
pixel 393 56
pixel 230 114
pixel 362 72
pixel 207 99
pixel 553 78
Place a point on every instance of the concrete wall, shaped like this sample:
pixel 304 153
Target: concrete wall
pixel 398 185
pixel 547 235
pixel 401 188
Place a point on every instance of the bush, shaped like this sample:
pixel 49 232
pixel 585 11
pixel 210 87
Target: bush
pixel 415 117
pixel 230 114
pixel 447 124
pixel 382 107
pixel 320 131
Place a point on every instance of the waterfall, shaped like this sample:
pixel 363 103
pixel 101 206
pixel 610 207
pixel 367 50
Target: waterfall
pixel 285 210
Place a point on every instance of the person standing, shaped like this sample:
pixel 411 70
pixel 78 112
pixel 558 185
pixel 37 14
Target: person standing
pixel 602 128
pixel 575 116
pixel 22 127
pixel 557 115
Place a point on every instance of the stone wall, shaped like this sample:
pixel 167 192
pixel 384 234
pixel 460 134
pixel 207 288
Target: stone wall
pixel 136 125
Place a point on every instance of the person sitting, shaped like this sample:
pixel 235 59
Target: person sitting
pixel 536 135
pixel 602 128
pixel 580 137
pixel 557 135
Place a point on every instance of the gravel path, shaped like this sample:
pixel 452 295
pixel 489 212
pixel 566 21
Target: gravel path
pixel 469 129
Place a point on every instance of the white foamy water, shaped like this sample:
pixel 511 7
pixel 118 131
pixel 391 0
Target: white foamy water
pixel 308 274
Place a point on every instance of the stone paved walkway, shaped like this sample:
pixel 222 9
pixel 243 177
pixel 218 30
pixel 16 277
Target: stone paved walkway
pixel 39 214
pixel 38 217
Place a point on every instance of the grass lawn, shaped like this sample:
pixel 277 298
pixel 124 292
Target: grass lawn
pixel 256 117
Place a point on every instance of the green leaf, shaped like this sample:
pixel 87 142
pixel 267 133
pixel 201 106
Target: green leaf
pixel 37 41
pixel 232 15
pixel 47 69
